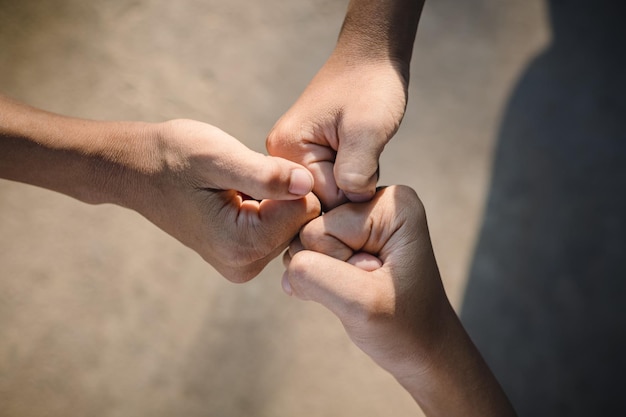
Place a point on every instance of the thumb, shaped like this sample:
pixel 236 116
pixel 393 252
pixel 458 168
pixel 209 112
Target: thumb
pixel 356 165
pixel 262 177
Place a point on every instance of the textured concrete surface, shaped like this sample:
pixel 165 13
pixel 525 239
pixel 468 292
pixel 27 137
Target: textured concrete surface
pixel 102 314
pixel 544 300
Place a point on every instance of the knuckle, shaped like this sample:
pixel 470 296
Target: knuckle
pixel 410 205
pixel 299 266
pixel 406 195
pixel 309 235
pixel 313 207
pixel 273 143
pixel 354 182
pixel 282 138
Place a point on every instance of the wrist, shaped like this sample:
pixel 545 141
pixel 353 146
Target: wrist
pixel 346 59
pixel 122 164
pixel 380 30
pixel 92 161
pixel 452 378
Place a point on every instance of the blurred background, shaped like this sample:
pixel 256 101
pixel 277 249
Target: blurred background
pixel 512 139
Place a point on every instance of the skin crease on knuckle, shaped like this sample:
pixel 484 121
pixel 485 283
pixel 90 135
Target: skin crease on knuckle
pixel 298 269
pixel 283 139
pixel 357 183
pixel 313 237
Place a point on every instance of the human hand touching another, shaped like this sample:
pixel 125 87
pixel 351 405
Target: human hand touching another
pixel 354 105
pixel 373 266
pixel 340 125
pixel 189 178
pixel 237 208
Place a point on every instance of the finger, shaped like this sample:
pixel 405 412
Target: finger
pixel 286 259
pixel 361 260
pixel 393 217
pixel 295 246
pixel 339 286
pixel 280 221
pixel 313 150
pixel 356 165
pixel 257 232
pixel 259 176
pixel 342 231
pixel 325 186
pixel 365 261
pixel 320 161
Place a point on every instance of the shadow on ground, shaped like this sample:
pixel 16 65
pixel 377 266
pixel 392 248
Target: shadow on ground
pixel 544 301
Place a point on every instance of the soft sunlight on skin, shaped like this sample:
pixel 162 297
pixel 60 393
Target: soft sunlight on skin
pixel 372 265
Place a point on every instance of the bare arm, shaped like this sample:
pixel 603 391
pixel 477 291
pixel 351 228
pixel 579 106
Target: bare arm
pixel 88 160
pixel 380 30
pixel 373 266
pixel 354 105
pixel 185 176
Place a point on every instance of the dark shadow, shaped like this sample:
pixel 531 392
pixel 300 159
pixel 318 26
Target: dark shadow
pixel 545 301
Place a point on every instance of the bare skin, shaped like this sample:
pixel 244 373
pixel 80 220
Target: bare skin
pixel 188 178
pixel 373 266
pixel 354 105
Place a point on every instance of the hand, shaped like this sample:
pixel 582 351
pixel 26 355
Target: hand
pixel 340 125
pixel 372 265
pixel 205 195
pixel 189 178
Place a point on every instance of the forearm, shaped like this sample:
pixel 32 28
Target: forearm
pixel 456 380
pixel 380 30
pixel 88 160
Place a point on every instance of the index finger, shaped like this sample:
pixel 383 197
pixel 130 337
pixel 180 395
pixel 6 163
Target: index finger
pixel 392 218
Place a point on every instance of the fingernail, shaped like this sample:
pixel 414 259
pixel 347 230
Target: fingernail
pixel 285 284
pixel 300 182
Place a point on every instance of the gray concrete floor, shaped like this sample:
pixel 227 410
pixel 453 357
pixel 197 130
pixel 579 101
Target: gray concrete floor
pixel 102 314
pixel 544 301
